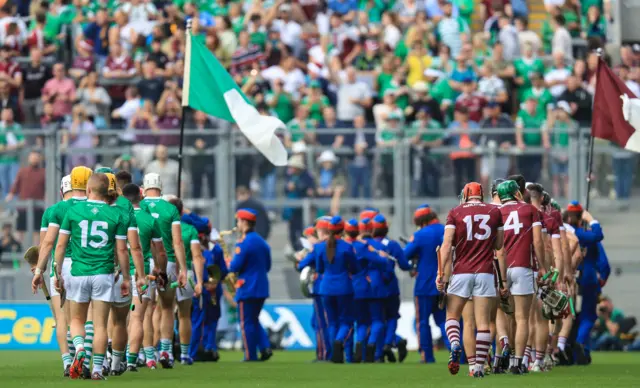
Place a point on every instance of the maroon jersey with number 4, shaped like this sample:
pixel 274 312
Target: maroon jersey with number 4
pixel 476 225
pixel 519 218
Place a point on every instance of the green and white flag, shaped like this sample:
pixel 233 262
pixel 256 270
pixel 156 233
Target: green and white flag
pixel 208 87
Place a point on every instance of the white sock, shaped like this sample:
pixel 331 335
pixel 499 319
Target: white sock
pixel 116 361
pixel 562 342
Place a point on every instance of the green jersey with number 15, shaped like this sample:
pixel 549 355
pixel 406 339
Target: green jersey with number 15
pixel 94 227
pixel 166 216
pixel 148 231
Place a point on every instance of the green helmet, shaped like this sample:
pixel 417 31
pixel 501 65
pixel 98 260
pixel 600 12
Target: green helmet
pixel 104 170
pixel 507 190
pixel 555 205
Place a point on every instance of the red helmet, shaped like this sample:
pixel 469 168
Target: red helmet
pixel 472 190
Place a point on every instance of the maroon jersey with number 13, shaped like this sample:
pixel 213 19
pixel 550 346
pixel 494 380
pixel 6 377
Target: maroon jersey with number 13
pixel 476 225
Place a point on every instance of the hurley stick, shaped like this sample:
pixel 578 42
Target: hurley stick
pixel 442 295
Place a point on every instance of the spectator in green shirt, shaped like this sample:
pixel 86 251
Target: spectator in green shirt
pixel 540 92
pixel 528 134
pixel 424 134
pixel 11 143
pixel 301 128
pixel 524 66
pixel 557 128
pixel 315 101
pixel 280 102
pixel 386 140
pixel 607 327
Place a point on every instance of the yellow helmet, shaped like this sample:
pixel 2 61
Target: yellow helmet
pixel 79 177
pixel 112 181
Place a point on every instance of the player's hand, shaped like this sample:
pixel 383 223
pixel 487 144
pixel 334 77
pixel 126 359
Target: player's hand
pixel 439 284
pixel 125 287
pixel 36 283
pixel 541 272
pixel 413 273
pixel 182 279
pixel 587 217
pixel 504 292
pixel 58 283
pixel 197 291
pixel 140 283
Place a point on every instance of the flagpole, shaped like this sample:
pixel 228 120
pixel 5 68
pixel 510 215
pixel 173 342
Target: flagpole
pixel 591 142
pixel 184 111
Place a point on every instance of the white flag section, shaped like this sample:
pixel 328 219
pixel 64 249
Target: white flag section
pixel 631 114
pixel 209 88
pixel 260 130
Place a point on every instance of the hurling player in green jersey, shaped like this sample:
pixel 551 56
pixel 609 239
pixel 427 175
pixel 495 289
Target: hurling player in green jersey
pixel 61 320
pixel 95 231
pixel 117 328
pixel 176 269
pixel 193 253
pixel 151 241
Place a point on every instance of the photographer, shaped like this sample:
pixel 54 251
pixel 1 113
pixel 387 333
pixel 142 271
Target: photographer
pixel 606 334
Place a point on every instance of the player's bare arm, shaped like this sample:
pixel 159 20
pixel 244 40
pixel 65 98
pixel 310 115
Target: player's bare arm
pixel 178 248
pixel 198 266
pixel 446 254
pixel 63 241
pixel 123 259
pixel 538 247
pixel 138 259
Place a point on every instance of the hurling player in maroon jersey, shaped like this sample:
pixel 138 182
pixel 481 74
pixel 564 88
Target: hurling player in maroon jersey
pixel 555 256
pixel 472 232
pixel 522 236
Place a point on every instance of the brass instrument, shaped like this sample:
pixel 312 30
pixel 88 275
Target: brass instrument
pixel 231 278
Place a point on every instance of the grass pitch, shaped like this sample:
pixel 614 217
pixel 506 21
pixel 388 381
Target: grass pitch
pixel 294 369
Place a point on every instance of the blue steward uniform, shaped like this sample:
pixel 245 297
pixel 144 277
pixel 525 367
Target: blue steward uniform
pixel 319 318
pixel 336 290
pixel 252 262
pixel 204 321
pixel 588 281
pixel 423 247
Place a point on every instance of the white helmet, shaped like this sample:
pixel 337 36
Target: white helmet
pixel 65 184
pixel 152 181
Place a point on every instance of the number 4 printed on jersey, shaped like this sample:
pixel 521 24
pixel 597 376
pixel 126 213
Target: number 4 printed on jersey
pixel 482 219
pixel 513 223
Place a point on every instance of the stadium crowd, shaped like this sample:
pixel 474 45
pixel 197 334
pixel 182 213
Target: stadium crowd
pixel 413 70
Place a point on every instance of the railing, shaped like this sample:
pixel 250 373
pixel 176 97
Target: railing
pixel 231 147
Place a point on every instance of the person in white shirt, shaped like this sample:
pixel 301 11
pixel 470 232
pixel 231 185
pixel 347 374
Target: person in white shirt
pixel 290 31
pixel 527 36
pixel 561 40
pixel 556 77
pixel 287 71
pixel 625 75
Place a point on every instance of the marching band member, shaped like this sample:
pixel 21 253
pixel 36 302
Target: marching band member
pixel 361 289
pixel 319 319
pixel 392 301
pixel 335 261
pixel 204 319
pixel 376 265
pixel 423 246
pixel 588 280
pixel 252 262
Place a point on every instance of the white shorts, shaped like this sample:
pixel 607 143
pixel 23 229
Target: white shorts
pixel 520 281
pixel 118 299
pixel 185 293
pixel 466 285
pixel 66 275
pixel 84 289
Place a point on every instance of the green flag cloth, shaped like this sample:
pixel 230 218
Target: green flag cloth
pixel 209 88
